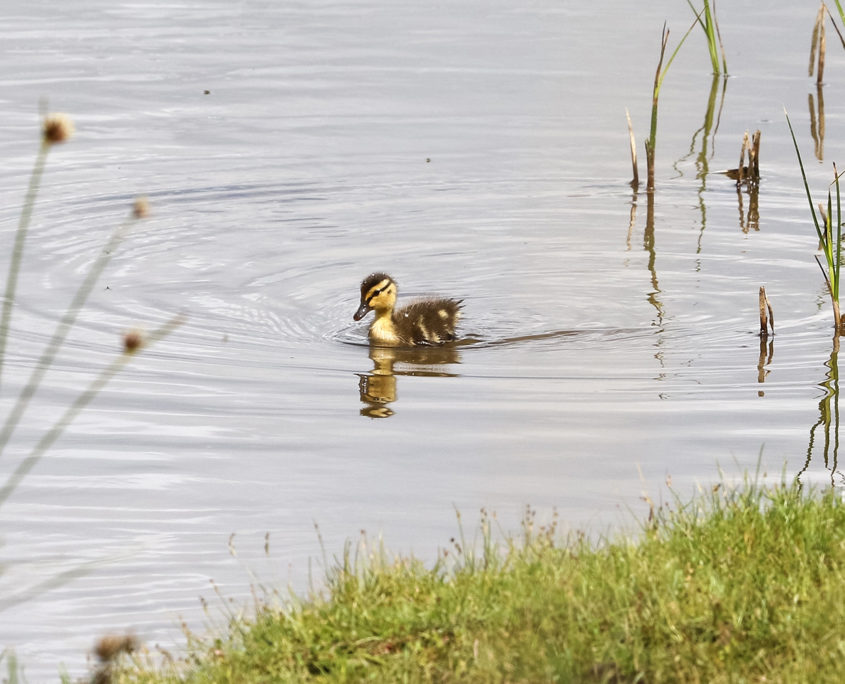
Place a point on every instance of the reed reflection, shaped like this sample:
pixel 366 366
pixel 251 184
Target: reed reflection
pixel 828 422
pixel 767 353
pixel 705 140
pixel 749 221
pixel 377 389
pixel 817 121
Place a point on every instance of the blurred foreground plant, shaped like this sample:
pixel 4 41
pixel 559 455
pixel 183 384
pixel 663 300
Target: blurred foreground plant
pixel 58 128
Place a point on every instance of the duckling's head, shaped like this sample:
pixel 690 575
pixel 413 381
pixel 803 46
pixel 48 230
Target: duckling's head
pixel 378 292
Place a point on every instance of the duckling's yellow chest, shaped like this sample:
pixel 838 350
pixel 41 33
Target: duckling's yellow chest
pixel 382 331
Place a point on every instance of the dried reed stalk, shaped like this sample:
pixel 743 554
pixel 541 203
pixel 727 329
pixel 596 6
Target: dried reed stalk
pixel 635 181
pixel 767 316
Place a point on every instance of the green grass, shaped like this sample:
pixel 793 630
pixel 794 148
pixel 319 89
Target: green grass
pixel 738 585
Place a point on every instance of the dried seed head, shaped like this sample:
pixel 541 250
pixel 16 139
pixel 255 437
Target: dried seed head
pixel 57 128
pixel 132 341
pixel 141 208
pixel 111 646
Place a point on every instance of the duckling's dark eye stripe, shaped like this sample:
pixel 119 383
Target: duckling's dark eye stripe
pixel 376 292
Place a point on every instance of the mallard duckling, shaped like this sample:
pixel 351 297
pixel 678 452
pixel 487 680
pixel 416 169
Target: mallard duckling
pixel 424 322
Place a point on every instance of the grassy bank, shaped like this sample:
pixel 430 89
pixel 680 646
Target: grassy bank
pixel 738 585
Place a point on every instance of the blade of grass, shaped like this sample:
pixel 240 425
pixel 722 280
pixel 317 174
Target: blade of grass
pixel 710 26
pixel 838 261
pixel 833 23
pixel 828 247
pixel 675 52
pixel 804 178
pixel 659 75
pixel 826 236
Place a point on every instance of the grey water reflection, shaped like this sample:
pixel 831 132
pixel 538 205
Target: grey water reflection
pixel 828 422
pixel 377 388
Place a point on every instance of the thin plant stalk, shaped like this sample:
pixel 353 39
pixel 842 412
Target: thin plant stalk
pixel 78 405
pixel 59 580
pixel 806 185
pixel 838 230
pixel 17 249
pixel 842 17
pixel 830 241
pixel 659 75
pixel 62 329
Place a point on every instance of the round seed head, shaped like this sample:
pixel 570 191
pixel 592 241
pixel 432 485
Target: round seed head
pixel 132 341
pixel 141 208
pixel 112 645
pixel 57 128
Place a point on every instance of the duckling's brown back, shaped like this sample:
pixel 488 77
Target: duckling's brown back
pixel 431 321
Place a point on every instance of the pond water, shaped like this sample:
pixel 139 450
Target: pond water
pixel 476 150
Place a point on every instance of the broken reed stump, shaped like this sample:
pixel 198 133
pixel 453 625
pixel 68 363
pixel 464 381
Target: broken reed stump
pixel 635 181
pixel 767 316
pixel 747 173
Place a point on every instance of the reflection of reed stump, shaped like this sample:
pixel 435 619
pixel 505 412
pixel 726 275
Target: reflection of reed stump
pixel 747 173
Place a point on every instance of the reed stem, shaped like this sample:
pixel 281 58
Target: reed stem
pixel 62 329
pixel 17 249
pixel 830 239
pixel 659 75
pixel 74 409
pixel 710 26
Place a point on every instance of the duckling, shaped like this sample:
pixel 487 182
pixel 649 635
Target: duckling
pixel 424 322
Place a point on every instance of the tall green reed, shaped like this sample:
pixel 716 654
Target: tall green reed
pixel 714 37
pixel 830 237
pixel 659 75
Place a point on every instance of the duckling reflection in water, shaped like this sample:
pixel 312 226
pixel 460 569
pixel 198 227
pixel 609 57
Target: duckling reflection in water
pixel 377 388
pixel 424 322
